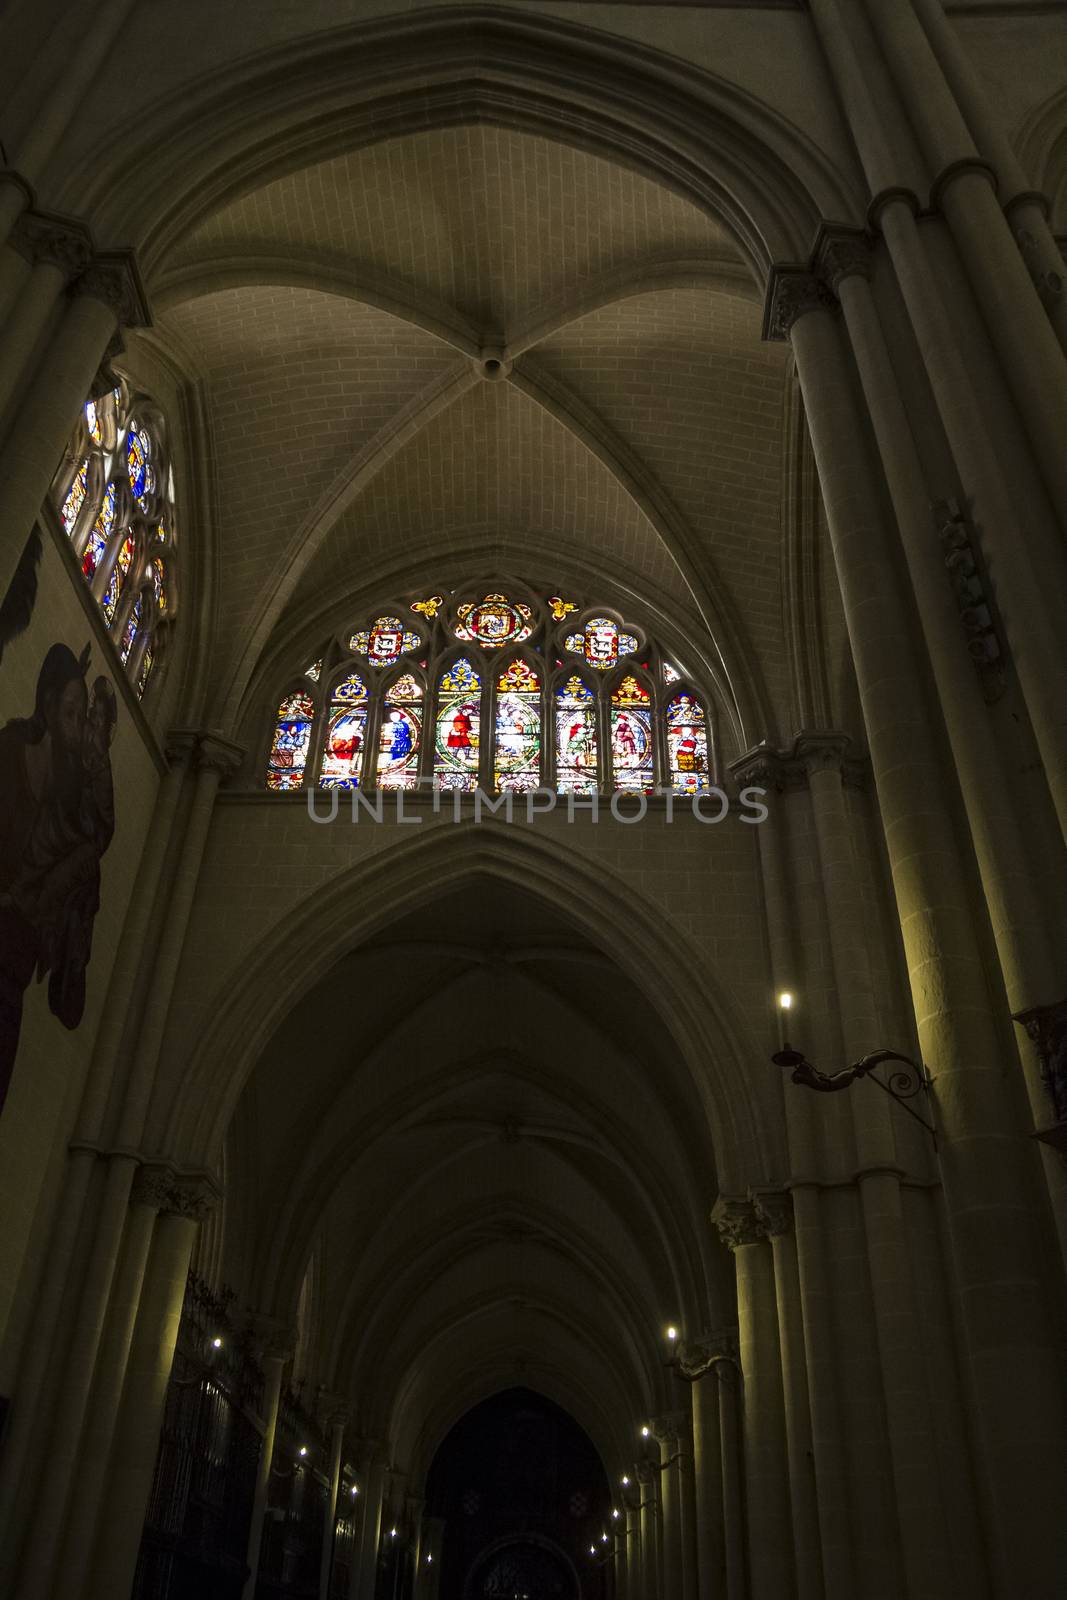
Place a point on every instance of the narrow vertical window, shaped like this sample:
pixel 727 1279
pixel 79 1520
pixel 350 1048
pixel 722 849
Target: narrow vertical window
pixel 631 737
pixel 292 739
pixel 687 744
pixel 517 749
pixel 400 734
pixel 458 730
pixel 346 732
pixel 576 738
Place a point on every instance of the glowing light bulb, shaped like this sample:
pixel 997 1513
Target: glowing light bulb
pixel 614 1512
pixel 672 1334
pixel 392 1533
pixel 303 1450
pixel 216 1344
pixel 355 1489
pixel 785 1001
pixel 625 1482
pixel 645 1430
pixel 592 1549
pixel 603 1538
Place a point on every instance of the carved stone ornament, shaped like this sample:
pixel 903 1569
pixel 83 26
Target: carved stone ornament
pixel 216 754
pixel 1047 1027
pixel 710 1350
pixel 774 1208
pixel 842 252
pixel 272 1338
pixel 790 769
pixel 821 752
pixel 983 643
pixel 114 280
pixel 670 1429
pixel 737 1222
pixel 792 292
pixel 191 1195
pixel 56 241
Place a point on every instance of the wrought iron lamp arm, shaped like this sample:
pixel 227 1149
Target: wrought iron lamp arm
pixel 902 1086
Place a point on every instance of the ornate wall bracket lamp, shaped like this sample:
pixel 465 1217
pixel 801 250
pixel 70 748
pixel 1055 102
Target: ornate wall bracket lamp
pixel 910 1079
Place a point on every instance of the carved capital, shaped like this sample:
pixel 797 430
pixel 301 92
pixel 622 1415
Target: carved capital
pixel 842 252
pixel 792 292
pixel 183 1194
pixel 114 280
pixel 774 1209
pixel 821 752
pixel 709 1350
pixel 1047 1027
pixel 216 754
pixel 737 1222
pixel 273 1338
pixel 56 241
pixel 670 1428
pixel 762 766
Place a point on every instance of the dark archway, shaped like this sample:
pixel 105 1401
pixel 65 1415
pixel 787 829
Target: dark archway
pixel 523 1497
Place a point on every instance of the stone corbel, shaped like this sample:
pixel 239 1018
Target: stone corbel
pixel 774 1209
pixel 842 252
pixel 709 1352
pixel 1046 1026
pixel 114 279
pixel 737 1222
pixel 216 754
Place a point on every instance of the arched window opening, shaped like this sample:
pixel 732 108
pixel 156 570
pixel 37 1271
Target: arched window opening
pixel 517 742
pixel 576 738
pixel 346 732
pixel 587 702
pixel 400 735
pixel 114 499
pixel 631 737
pixel 292 741
pixel 459 727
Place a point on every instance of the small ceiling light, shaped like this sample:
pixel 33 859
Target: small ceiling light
pixel 392 1533
pixel 303 1450
pixel 603 1538
pixel 615 1511
pixel 785 1001
pixel 592 1549
pixel 645 1430
pixel 672 1334
pixel 429 1561
pixel 625 1481
pixel 355 1488
pixel 216 1343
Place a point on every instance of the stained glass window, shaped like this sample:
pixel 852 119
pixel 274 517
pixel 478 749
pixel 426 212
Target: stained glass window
pixel 113 593
pixel 314 672
pixel 517 752
pixel 458 729
pixel 346 730
pixel 669 674
pixel 602 643
pixel 75 497
pixel 576 737
pixel 384 642
pixel 494 621
pixel 631 737
pixel 561 608
pixel 117 510
pixel 687 745
pixel 430 607
pixel 400 734
pixel 292 738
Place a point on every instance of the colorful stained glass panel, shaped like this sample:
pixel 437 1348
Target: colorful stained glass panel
pixel 517 751
pixel 602 643
pixel 342 755
pixel 93 422
pixel 384 642
pixel 687 745
pixel 576 738
pixel 130 632
pixel 399 735
pixel 494 621
pixel 292 739
pixel 75 497
pixel 139 468
pixel 459 723
pixel 119 574
pixel 631 737
pixel 99 533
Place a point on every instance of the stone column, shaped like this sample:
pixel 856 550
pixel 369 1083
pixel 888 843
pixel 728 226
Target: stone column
pixel 998 1252
pixel 215 758
pixel 666 1430
pixel 728 1372
pixel 57 251
pixel 631 1511
pixel 775 1212
pixel 338 1419
pixel 651 1588
pixel 697 1361
pixel 367 1566
pixel 105 296
pixel 770 1545
pixel 181 1203
pixel 15 196
pixel 274 1342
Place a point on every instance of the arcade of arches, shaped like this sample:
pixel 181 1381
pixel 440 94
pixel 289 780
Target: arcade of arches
pixel 529 531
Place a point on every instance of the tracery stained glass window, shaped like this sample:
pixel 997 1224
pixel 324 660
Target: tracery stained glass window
pixel 385 641
pixel 314 672
pixel 116 507
pixel 687 744
pixel 458 729
pixel 292 739
pixel 669 674
pixel 631 737
pixel 400 734
pixel 346 732
pixel 493 622
pixel 602 642
pixel 576 738
pixel 75 497
pixel 517 746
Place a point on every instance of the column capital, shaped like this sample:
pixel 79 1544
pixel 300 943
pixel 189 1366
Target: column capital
pixel 216 754
pixel 182 1194
pixel 114 279
pixel 821 751
pixel 273 1338
pixel 842 252
pixel 812 750
pixel 967 166
pixel 774 1209
pixel 736 1221
pixel 57 241
pixel 669 1427
pixel 699 1356
pixel 792 291
pixel 1046 1026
